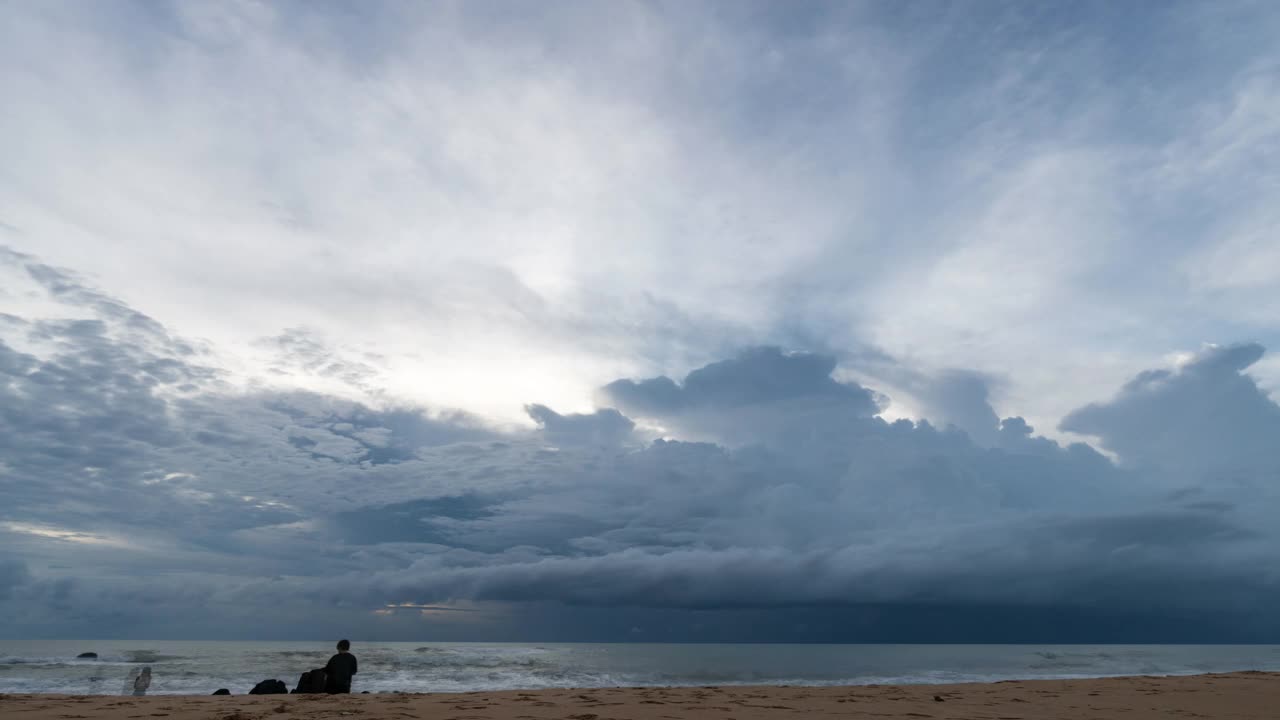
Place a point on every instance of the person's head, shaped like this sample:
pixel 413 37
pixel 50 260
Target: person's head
pixel 146 671
pixel 344 645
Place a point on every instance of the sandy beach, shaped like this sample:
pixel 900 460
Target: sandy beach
pixel 1231 695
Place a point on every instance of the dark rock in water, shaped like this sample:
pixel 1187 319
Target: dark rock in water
pixel 270 687
pixel 222 691
pixel 311 681
pixel 88 656
pixel 364 692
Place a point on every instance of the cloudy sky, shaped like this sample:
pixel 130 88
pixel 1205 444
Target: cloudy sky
pixel 655 321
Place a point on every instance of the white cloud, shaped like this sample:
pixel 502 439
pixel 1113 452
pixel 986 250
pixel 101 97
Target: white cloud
pixel 293 227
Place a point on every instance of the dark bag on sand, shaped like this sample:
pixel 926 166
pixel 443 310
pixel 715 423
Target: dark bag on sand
pixel 311 681
pixel 270 687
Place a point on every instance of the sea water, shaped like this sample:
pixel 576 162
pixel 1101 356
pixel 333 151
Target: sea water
pixel 182 667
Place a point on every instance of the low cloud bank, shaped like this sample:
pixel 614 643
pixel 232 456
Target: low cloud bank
pixel 143 489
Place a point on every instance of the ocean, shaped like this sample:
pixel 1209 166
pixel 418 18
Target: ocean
pixel 182 667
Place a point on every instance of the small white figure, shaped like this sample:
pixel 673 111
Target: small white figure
pixel 142 682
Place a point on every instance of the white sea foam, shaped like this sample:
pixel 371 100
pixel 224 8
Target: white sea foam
pixel 201 667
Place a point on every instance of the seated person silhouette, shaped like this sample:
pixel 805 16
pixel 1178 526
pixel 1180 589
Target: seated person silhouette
pixel 340 669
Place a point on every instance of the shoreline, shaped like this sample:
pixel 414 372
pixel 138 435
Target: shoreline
pixel 1245 695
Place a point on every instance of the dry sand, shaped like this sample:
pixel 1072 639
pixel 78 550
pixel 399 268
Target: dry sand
pixel 1232 695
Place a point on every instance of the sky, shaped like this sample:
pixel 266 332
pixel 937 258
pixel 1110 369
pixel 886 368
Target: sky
pixel 656 321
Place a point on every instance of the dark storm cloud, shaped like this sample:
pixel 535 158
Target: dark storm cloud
pixel 602 426
pixel 1016 436
pixel 950 397
pixel 961 398
pixel 93 407
pixel 426 521
pixel 763 395
pixel 1205 416
pixel 883 515
pixel 757 376
pixel 1123 563
pixel 138 486
pixel 759 542
pixel 12 574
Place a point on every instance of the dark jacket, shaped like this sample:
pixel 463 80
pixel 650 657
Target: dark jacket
pixel 339 671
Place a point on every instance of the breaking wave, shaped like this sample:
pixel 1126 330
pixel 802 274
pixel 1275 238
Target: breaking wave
pixel 199 668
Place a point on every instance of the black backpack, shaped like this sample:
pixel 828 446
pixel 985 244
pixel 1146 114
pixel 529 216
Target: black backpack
pixel 269 687
pixel 312 681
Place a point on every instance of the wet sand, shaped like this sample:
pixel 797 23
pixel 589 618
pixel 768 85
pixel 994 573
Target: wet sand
pixel 1225 696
